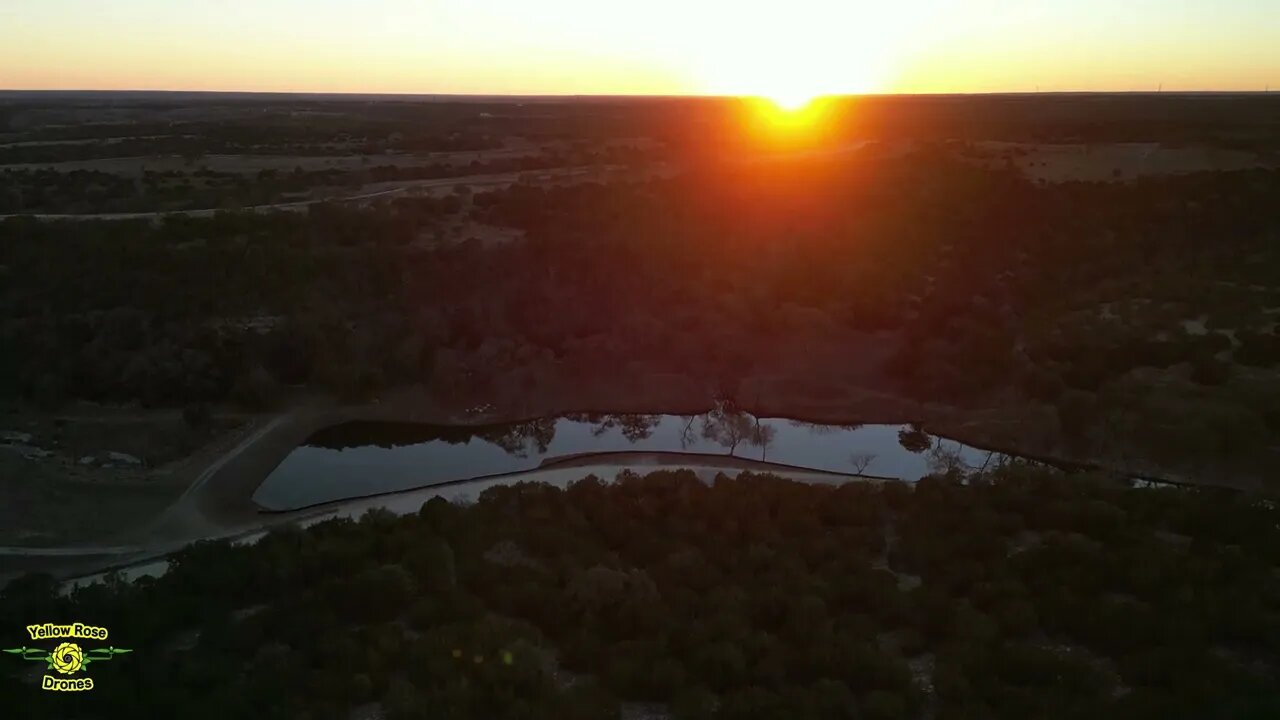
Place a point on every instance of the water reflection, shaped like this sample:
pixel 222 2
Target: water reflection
pixel 729 428
pixel 915 440
pixel 820 429
pixel 518 439
pixel 634 427
pixel 359 459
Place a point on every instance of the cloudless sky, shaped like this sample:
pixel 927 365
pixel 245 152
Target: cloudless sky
pixel 778 48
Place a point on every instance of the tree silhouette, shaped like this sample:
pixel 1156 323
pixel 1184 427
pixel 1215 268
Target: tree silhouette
pixel 516 437
pixel 634 427
pixel 861 461
pixel 730 428
pixel 915 440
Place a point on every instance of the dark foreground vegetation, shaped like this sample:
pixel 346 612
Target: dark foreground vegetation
pixel 1020 594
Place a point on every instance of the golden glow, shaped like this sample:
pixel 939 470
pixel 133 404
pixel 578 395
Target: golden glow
pixel 791 125
pixel 787 112
pixel 788 51
pixel 792 102
pixel 792 70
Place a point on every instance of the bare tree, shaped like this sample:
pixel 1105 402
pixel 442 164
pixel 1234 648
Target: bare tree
pixel 943 460
pixel 982 470
pixel 761 437
pixel 861 461
pixel 728 428
pixel 634 427
pixel 687 436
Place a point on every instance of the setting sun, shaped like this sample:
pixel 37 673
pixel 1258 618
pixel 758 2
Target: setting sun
pixel 792 101
pixel 789 110
pixel 787 121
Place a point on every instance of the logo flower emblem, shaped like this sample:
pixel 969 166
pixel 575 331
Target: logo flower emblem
pixel 67 658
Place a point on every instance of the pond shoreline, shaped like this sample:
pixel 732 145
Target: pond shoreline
pixel 622 459
pixel 225 498
pixel 410 499
pixel 387 435
pixel 218 504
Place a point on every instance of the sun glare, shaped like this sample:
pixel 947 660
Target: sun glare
pixel 792 101
pixel 788 111
pixel 788 121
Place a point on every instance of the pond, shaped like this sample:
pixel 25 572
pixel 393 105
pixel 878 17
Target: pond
pixel 363 458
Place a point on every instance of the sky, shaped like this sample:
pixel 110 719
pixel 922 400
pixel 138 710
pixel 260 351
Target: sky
pixel 786 49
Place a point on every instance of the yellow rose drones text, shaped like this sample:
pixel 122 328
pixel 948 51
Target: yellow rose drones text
pixel 67 658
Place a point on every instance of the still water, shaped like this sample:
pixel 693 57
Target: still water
pixel 359 459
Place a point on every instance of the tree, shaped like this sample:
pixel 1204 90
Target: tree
pixel 1210 371
pixel 695 703
pixel 915 440
pixel 730 428
pixel 946 461
pixel 720 664
pixel 587 701
pixel 634 427
pixel 403 702
pixel 883 705
pixel 860 461
pixel 256 389
pixel 1077 410
pixel 197 416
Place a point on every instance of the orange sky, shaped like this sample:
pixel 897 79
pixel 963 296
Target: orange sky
pixel 788 49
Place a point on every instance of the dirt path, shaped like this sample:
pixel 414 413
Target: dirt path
pixel 217 465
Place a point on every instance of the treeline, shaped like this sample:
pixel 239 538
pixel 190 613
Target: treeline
pixel 979 283
pixel 263 129
pixel 192 310
pixel 93 191
pixel 1062 295
pixel 1020 593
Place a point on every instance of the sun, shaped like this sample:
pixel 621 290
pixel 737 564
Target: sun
pixel 795 69
pixel 792 100
pixel 788 122
pixel 788 110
